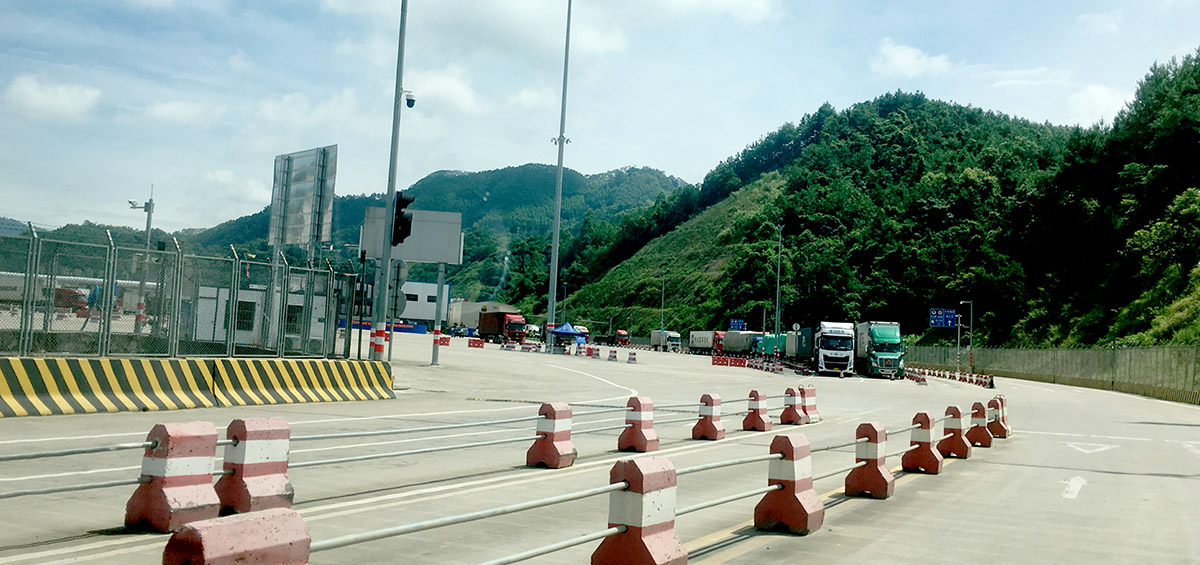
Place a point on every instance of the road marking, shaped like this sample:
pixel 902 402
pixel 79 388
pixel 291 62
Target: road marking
pixel 632 391
pixel 1073 487
pixel 65 550
pixel 1085 435
pixel 68 474
pixel 1088 448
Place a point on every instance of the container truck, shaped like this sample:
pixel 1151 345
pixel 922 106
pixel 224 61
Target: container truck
pixel 739 341
pixel 770 345
pixel 833 344
pixel 502 327
pixel 799 344
pixel 705 342
pixel 665 340
pixel 878 349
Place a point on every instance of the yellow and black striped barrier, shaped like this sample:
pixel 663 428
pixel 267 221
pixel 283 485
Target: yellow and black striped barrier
pixel 242 382
pixel 43 386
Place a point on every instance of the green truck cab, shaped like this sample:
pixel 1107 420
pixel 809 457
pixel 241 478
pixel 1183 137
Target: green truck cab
pixel 879 349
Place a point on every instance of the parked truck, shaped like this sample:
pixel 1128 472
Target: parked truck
pixel 702 342
pixel 740 341
pixel 502 327
pixel 799 345
pixel 878 349
pixel 833 347
pixel 665 340
pixel 771 345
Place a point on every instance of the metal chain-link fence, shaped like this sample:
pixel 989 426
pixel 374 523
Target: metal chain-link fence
pixel 79 299
pixel 1165 372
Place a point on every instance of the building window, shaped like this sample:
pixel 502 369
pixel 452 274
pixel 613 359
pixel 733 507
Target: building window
pixel 431 299
pixel 410 297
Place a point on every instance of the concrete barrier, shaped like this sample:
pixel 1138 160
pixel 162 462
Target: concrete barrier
pixel 553 448
pixel 757 419
pixel 640 436
pixel 924 458
pixel 177 483
pixel 795 508
pixel 956 445
pixel 792 413
pixel 244 382
pixel 709 426
pixel 272 536
pixel 979 435
pixel 874 477
pixel 44 386
pixel 259 461
pixel 808 396
pixel 647 510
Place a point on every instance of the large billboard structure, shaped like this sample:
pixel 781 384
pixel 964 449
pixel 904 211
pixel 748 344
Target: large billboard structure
pixel 302 199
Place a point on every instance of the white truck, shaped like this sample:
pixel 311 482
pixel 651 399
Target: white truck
pixel 704 342
pixel 665 340
pixel 834 347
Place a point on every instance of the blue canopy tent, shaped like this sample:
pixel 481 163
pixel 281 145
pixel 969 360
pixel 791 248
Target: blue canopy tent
pixel 567 330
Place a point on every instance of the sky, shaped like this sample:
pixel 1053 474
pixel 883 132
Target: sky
pixel 102 99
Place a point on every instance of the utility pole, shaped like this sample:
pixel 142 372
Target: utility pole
pixel 958 346
pixel 778 264
pixel 380 306
pixel 562 142
pixel 970 334
pixel 141 306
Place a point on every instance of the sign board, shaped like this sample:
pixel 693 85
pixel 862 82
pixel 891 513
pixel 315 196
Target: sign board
pixel 436 237
pixel 795 327
pixel 737 325
pixel 302 197
pixel 942 318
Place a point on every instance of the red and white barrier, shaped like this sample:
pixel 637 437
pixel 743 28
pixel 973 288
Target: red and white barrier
pixel 553 448
pixel 795 508
pixel 647 510
pixel 612 355
pixel 924 458
pixel 632 357
pixel 757 419
pixel 979 435
pixel 709 426
pixel 475 343
pixel 793 411
pixel 177 471
pixel 957 444
pixel 737 362
pixel 998 413
pixel 874 477
pixel 259 461
pixel 808 396
pixel 640 436
pixel 276 535
pixel 595 352
pixel 443 341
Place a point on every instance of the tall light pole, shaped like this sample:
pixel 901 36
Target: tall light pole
pixel 662 311
pixel 958 344
pixel 141 306
pixel 778 264
pixel 379 309
pixel 562 142
pixel 970 333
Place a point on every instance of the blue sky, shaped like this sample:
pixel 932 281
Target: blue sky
pixel 100 99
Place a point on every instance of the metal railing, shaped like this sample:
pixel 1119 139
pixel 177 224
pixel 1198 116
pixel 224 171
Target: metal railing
pixel 60 298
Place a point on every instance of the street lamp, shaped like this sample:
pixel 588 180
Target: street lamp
pixel 970 333
pixel 662 309
pixel 562 142
pixel 778 264
pixel 141 305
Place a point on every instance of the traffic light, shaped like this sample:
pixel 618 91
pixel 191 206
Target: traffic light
pixel 402 221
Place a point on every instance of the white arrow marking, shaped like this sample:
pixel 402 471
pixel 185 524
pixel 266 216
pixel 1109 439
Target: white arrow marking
pixel 1088 448
pixel 1073 487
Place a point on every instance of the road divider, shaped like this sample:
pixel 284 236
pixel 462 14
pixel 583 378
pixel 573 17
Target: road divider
pixel 243 382
pixel 45 386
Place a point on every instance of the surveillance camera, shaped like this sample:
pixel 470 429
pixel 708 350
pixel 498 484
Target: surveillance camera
pixel 410 99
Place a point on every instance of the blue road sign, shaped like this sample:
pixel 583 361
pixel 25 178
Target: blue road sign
pixel 737 325
pixel 942 318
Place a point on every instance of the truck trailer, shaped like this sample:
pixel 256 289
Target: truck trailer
pixel 739 341
pixel 705 342
pixel 879 349
pixel 665 340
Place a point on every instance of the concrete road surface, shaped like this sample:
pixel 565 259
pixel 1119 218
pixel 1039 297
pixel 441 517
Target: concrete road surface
pixel 1088 476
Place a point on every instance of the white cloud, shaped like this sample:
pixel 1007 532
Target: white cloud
pixel 186 113
pixel 1104 23
pixel 450 85
pixel 377 48
pixel 1096 102
pixel 226 185
pixel 536 97
pixel 46 99
pixel 1040 76
pixel 895 59
pixel 239 63
pixel 744 11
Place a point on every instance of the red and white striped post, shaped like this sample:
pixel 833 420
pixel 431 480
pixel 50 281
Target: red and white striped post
pixel 757 419
pixel 553 448
pixel 979 435
pixel 924 458
pixel 640 436
pixel 793 413
pixel 795 508
pixel 874 477
pixel 709 426
pixel 647 510
pixel 259 461
pixel 177 474
pixel 612 354
pixel 808 396
pixel 956 445
pixel 998 424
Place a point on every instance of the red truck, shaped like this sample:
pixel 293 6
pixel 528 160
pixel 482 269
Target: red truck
pixel 502 327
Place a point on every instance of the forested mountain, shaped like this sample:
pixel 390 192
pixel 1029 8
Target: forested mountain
pixel 890 207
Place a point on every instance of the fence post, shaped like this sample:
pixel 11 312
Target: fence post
pixel 108 284
pixel 30 298
pixel 231 304
pixel 176 298
pixel 284 283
